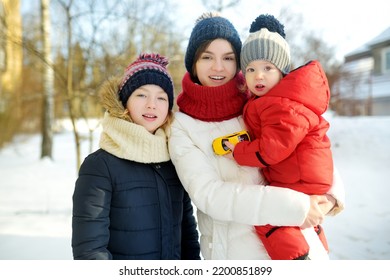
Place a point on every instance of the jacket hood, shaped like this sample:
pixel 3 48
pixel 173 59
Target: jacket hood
pixel 308 85
pixel 109 98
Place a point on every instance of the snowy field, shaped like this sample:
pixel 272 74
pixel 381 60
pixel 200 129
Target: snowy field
pixel 35 195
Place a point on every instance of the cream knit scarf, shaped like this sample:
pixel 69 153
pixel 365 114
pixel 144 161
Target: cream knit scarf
pixel 133 142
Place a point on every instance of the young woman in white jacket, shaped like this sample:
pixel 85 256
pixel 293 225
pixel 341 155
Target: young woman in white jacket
pixel 229 198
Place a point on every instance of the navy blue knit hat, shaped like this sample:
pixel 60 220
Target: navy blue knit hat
pixel 210 26
pixel 147 69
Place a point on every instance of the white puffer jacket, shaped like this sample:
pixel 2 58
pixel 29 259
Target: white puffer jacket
pixel 230 199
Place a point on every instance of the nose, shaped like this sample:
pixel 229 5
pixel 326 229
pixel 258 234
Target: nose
pixel 259 75
pixel 151 103
pixel 217 65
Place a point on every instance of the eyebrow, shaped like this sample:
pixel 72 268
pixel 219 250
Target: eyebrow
pixel 144 89
pixel 228 53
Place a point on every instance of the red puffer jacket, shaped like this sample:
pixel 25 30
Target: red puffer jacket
pixel 289 133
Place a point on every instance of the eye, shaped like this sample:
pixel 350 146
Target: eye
pixel 249 69
pixel 230 58
pixel 206 57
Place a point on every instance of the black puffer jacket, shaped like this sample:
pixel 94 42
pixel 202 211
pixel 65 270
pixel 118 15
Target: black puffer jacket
pixel 128 202
pixel 129 210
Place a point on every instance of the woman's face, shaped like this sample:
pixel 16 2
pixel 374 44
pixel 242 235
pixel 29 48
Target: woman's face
pixel 217 65
pixel 148 106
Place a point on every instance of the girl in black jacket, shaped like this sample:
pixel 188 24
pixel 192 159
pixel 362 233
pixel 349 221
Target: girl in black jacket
pixel 128 202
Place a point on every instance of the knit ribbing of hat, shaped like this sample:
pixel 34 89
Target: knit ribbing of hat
pixel 265 45
pixel 144 77
pixel 140 67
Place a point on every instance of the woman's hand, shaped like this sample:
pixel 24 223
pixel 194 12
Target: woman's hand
pixel 327 206
pixel 316 214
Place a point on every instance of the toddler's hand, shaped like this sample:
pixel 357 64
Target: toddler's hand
pixel 231 147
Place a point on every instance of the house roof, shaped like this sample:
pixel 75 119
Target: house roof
pixel 365 49
pixel 382 37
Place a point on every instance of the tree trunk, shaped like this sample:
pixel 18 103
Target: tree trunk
pixel 48 83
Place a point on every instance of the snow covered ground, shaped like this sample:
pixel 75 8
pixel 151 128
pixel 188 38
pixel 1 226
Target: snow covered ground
pixel 35 195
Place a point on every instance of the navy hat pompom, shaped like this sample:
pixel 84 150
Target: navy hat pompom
pixel 269 22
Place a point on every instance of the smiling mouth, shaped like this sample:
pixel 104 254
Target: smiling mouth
pixel 218 78
pixel 149 116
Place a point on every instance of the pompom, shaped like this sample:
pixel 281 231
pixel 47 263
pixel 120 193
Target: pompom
pixel 152 57
pixel 207 15
pixel 269 22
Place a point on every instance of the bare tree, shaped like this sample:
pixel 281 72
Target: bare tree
pixel 96 35
pixel 48 82
pixel 10 70
pixel 69 77
pixel 220 5
pixel 92 41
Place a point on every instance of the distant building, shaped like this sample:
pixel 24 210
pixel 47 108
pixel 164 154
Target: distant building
pixel 364 88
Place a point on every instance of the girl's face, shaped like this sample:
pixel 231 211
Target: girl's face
pixel 261 76
pixel 148 106
pixel 217 65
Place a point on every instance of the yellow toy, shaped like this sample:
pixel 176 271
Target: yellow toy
pixel 221 149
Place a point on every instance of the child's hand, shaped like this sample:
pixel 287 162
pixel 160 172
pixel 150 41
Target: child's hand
pixel 219 144
pixel 231 147
pixel 229 156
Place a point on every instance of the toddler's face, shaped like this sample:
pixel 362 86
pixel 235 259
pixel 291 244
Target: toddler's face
pixel 261 76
